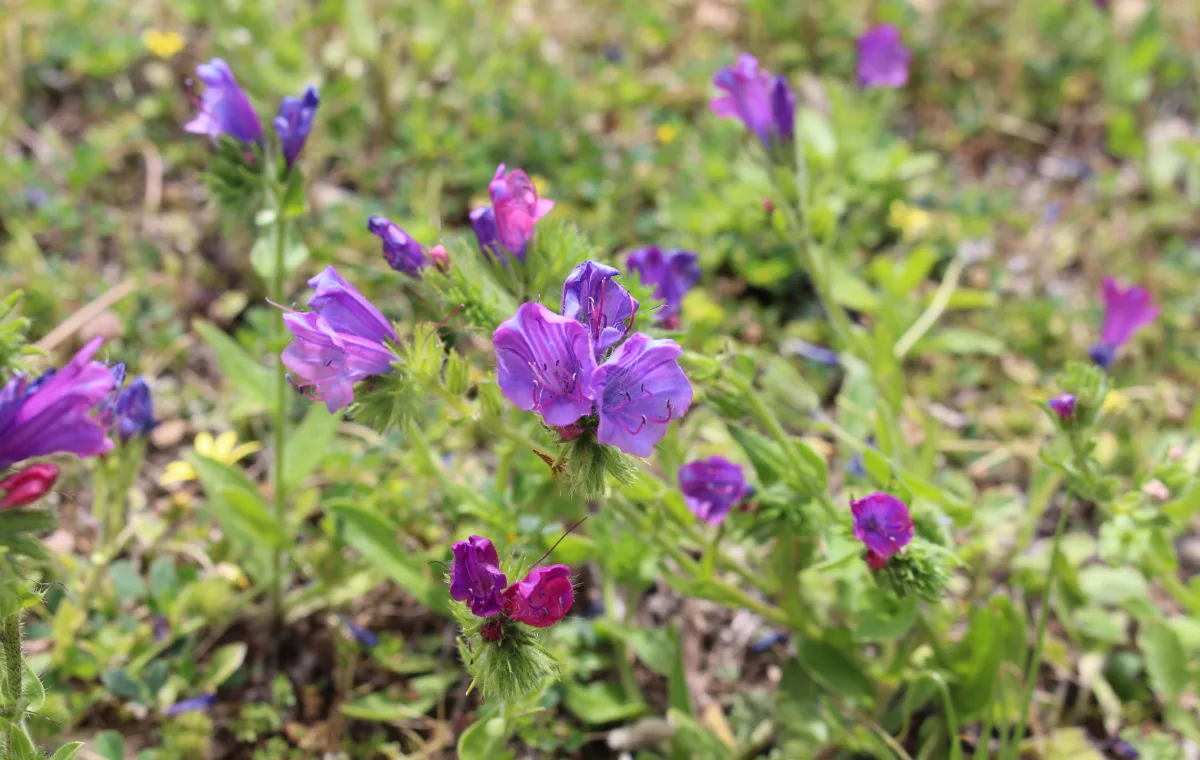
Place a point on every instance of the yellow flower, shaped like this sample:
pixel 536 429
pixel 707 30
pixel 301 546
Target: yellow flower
pixel 162 44
pixel 666 133
pixel 910 221
pixel 541 184
pixel 1114 401
pixel 224 448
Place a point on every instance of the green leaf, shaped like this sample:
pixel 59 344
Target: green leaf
pixel 835 670
pixel 485 739
pixel 376 541
pixel 600 702
pixel 1166 662
pixel 977 662
pixel 263 254
pixel 119 684
pixel 20 746
pixel 768 461
pixel 240 370
pixel 293 202
pixel 961 341
pixel 110 745
pixel 312 437
pixel 678 696
pixel 387 709
pixel 256 519
pixel 816 134
pixel 68 751
pixel 127 582
pixel 224 663
pixel 33 694
pixel 693 740
pixel 886 618
pixel 14 521
pixel 850 291
pixel 916 268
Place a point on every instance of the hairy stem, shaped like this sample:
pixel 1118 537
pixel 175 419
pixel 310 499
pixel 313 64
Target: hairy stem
pixel 10 642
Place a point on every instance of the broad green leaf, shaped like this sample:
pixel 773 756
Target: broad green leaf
pixel 241 371
pixel 387 709
pixel 1166 662
pixel 110 745
pixel 600 702
pixel 311 443
pixel 255 517
pixel 127 582
pixel 119 684
pixel 977 662
pixel 850 291
pixel 33 694
pixel 835 670
pixel 484 739
pixel 224 663
pixel 20 746
pixel 263 254
pixel 68 751
pixel 770 464
pixel 914 271
pixel 886 618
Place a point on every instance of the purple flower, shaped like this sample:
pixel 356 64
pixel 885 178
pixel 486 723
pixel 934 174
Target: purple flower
pixel 27 486
pixel 882 522
pixel 515 210
pixel 224 107
pixel 543 598
pixel 672 273
pixel 194 704
pixel 295 122
pixel 53 413
pixel 401 252
pixel 339 343
pixel 545 363
pixel 1063 405
pixel 475 576
pixel 766 106
pixel 367 638
pixel 639 390
pixel 1125 312
pixel 591 295
pixel 711 487
pixel 882 58
pixel 135 410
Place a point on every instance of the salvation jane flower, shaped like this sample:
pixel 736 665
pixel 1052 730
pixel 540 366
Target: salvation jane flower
pixel 591 295
pixel 673 273
pixel 882 522
pixel 767 106
pixel 224 107
pixel 515 211
pixel 28 485
pixel 339 343
pixel 545 363
pixel 1063 405
pixel 476 578
pixel 543 598
pixel 882 58
pixel 483 222
pixel 401 252
pixel 295 122
pixel 53 413
pixel 1125 312
pixel 711 487
pixel 638 391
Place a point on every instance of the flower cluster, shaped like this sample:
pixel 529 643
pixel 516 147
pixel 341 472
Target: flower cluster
pixel 672 273
pixel 540 600
pixel 555 366
pixel 1126 310
pixel 506 227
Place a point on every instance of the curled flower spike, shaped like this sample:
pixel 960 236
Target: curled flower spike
pixel 401 252
pixel 711 487
pixel 882 58
pixel 543 598
pixel 1063 405
pixel 672 273
pixel 545 362
pixel 592 295
pixel 883 523
pixel 766 105
pixel 53 413
pixel 295 122
pixel 475 577
pixel 638 391
pixel 27 486
pixel 1125 312
pixel 224 107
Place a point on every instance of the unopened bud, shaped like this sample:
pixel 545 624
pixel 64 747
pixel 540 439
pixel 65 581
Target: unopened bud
pixel 458 374
pixel 28 485
pixel 440 258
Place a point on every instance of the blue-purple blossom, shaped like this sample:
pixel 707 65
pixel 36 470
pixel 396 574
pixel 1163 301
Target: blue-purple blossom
pixel 1125 312
pixel 592 296
pixel 672 273
pixel 367 638
pixel 224 107
pixel 340 342
pixel 483 222
pixel 711 487
pixel 193 704
pixel 53 413
pixel 476 578
pixel 508 224
pixel 766 105
pixel 1063 405
pixel 882 58
pixel 128 412
pixel 400 250
pixel 882 522
pixel 295 122
pixel 543 598
pixel 638 391
pixel 545 363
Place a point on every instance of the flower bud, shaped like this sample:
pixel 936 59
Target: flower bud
pixel 458 374
pixel 440 258
pixel 28 485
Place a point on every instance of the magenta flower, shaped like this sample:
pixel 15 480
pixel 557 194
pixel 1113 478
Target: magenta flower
pixel 591 295
pixel 766 106
pixel 543 598
pixel 711 487
pixel 545 363
pixel 882 58
pixel 53 413
pixel 515 211
pixel 401 252
pixel 224 107
pixel 476 578
pixel 672 274
pixel 638 391
pixel 27 486
pixel 295 122
pixel 339 343
pixel 1063 405
pixel 882 522
pixel 1125 312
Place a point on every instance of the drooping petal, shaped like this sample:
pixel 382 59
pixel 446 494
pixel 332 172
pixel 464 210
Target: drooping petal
pixel 882 522
pixel 592 295
pixel 295 122
pixel 476 578
pixel 544 363
pixel 543 598
pixel 400 250
pixel 346 310
pixel 638 391
pixel 711 487
pixel 882 58
pixel 224 107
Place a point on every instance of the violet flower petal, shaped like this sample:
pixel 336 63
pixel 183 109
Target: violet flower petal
pixel 592 295
pixel 476 578
pixel 224 107
pixel 638 391
pixel 882 522
pixel 711 487
pixel 544 363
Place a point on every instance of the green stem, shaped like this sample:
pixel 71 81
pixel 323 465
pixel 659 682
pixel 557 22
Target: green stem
pixel 629 683
pixel 10 642
pixel 100 500
pixel 927 319
pixel 1035 663
pixel 281 399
